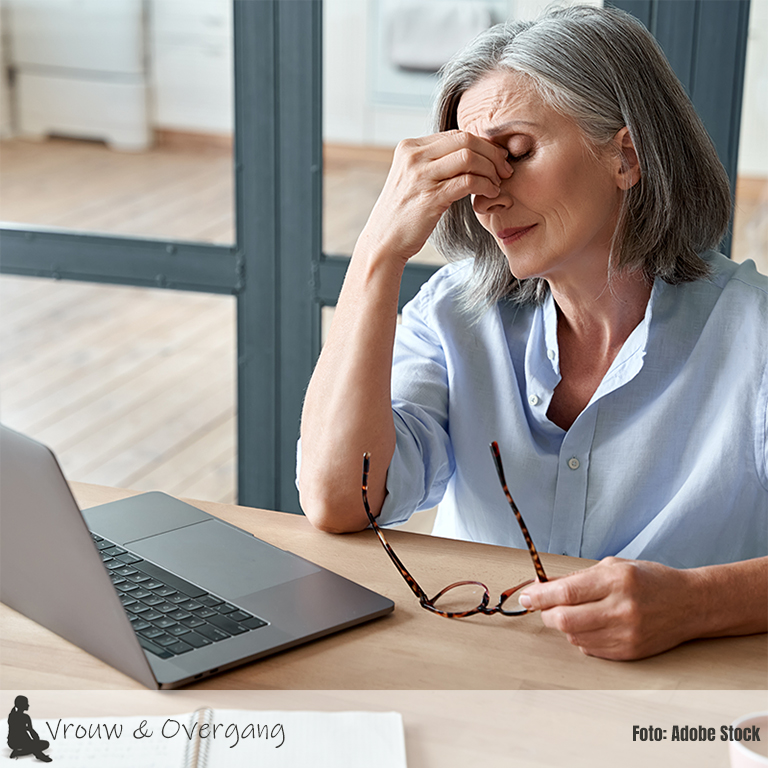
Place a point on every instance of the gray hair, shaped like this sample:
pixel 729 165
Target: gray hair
pixel 603 69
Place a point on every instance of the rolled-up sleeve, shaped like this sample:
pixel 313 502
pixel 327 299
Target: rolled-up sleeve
pixel 423 460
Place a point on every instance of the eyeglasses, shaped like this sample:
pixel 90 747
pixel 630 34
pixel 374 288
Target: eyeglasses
pixel 463 598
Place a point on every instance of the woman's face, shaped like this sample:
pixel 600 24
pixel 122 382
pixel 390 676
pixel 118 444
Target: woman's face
pixel 555 216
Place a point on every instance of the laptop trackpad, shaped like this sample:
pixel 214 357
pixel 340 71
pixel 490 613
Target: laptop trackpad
pixel 222 559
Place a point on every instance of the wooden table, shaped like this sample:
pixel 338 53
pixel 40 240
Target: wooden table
pixel 455 729
pixel 410 648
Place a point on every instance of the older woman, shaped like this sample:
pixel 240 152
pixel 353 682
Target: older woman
pixel 620 364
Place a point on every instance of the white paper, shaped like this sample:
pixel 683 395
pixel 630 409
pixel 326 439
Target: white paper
pixel 316 739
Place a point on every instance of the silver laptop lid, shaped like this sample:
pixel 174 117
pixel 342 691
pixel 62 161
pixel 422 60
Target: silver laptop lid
pixel 47 556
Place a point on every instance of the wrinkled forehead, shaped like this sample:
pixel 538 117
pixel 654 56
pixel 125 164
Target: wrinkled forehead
pixel 497 100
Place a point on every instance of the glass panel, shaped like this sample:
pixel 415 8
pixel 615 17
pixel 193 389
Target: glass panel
pixel 750 228
pixel 379 76
pixel 117 117
pixel 131 387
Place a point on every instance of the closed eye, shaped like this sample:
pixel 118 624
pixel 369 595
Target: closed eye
pixel 516 158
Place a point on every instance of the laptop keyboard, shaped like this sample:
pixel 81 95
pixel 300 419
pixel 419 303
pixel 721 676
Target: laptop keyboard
pixel 170 616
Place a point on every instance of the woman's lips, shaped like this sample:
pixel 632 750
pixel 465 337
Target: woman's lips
pixel 513 233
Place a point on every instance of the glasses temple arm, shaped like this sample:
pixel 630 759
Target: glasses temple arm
pixel 409 580
pixel 528 540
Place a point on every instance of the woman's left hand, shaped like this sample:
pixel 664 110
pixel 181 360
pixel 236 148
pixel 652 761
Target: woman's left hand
pixel 621 609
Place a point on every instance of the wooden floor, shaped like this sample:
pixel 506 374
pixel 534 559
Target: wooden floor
pixel 136 387
pixel 130 387
pixel 180 192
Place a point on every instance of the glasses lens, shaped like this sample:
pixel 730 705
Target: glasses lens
pixel 461 598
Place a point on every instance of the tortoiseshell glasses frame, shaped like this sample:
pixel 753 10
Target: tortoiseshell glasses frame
pixel 482 607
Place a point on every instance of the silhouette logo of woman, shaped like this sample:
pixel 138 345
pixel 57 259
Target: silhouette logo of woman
pixel 22 737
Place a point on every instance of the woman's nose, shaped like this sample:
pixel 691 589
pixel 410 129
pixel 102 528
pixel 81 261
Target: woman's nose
pixel 484 205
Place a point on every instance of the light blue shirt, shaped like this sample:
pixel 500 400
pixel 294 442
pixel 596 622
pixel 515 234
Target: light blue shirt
pixel 668 461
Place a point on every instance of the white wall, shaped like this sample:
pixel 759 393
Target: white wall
pixel 753 149
pixel 190 44
pixel 5 95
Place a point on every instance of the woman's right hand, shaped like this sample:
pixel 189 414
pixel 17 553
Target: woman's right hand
pixel 427 175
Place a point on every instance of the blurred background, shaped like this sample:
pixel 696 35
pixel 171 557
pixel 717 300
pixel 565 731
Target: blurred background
pixel 117 118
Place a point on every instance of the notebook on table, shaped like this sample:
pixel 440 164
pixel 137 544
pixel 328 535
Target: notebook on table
pixel 155 587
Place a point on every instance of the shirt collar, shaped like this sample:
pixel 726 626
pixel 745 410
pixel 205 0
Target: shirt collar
pixel 626 365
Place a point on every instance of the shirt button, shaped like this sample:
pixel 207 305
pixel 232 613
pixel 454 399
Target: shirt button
pixel 551 354
pixel 574 463
pixel 533 399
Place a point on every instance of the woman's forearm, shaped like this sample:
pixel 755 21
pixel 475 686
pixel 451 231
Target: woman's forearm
pixel 733 598
pixel 347 409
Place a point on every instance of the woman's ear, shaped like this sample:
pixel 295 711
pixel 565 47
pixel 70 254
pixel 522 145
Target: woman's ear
pixel 628 168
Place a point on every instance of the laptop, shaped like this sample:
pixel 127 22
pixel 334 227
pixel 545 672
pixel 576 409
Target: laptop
pixel 155 587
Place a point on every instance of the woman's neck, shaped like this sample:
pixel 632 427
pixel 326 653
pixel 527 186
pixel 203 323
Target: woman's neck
pixel 601 318
pixel 591 329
